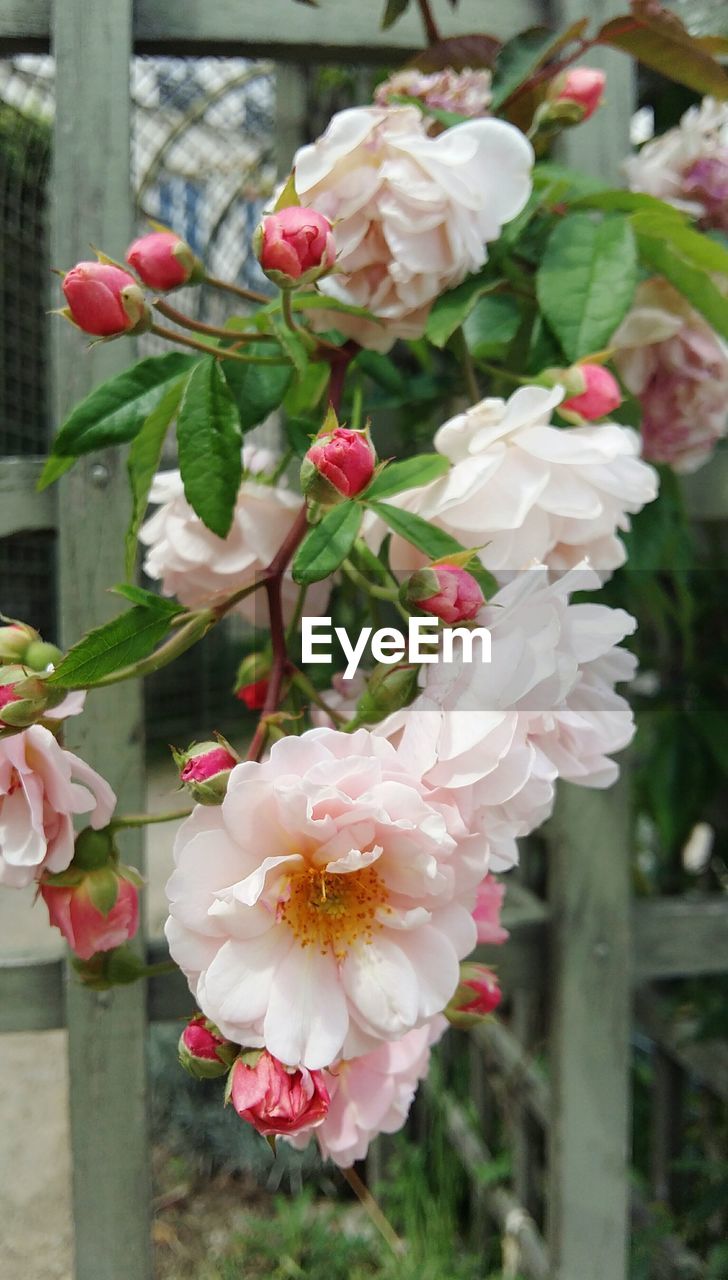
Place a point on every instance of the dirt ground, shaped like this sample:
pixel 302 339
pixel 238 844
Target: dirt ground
pixel 35 1175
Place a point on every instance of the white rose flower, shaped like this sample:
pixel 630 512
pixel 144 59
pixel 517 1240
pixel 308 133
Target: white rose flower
pixel 412 214
pixel 688 165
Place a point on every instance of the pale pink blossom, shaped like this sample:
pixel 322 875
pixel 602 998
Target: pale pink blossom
pixel 465 93
pixel 200 569
pixel 677 366
pixel 529 492
pixel 496 735
pixel 412 214
pixel 372 1094
pixel 487 912
pixel 688 165
pixel 325 905
pixel 41 787
pixel 88 930
pixel 277 1100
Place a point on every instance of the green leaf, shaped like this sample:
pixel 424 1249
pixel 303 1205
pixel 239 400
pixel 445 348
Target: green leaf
pixel 411 473
pixel 114 412
pixel 138 595
pixel 258 389
pixel 114 645
pixel 292 343
pixel 524 54
pixel 143 462
pixel 322 302
pixel 452 308
pixel 628 202
pixel 327 543
pixel 209 441
pixel 492 325
pixel 693 282
pixel 103 889
pixel 587 280
pixel 426 537
pixel 701 250
pixel 53 470
pixel 306 393
pixel 660 41
pixel 381 370
pixel 392 11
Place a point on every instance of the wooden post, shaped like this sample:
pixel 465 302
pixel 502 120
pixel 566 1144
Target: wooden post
pixel 92 205
pixel 590 1037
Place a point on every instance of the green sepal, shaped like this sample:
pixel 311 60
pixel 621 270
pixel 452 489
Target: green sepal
pixel 103 889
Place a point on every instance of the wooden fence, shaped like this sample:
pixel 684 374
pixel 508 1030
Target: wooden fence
pixel 582 953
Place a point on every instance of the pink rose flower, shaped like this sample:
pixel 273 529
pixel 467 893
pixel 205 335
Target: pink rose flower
pixel 487 912
pixel 411 214
pixel 372 1094
pixel 465 93
pixel 104 300
pixel 162 260
pixel 325 905
pixel 276 1099
pixel 677 366
pixel 295 246
pixel 688 165
pixel 41 787
pixel 86 929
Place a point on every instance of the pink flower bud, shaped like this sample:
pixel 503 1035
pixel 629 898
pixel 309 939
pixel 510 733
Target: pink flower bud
pixel 295 246
pixel 447 591
pixel 14 641
pixel 345 459
pixel 487 911
pixel 89 928
pixel 277 1099
pixel 163 261
pixel 601 394
pixel 24 697
pixel 104 300
pixel 204 769
pixel 477 995
pixel 253 695
pixel 7 695
pixel 203 1051
pixel 583 86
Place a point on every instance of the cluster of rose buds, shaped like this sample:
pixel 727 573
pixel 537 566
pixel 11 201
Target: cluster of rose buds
pixel 295 246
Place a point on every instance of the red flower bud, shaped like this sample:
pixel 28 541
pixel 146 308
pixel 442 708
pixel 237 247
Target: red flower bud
pixel 447 591
pixel 295 246
pixel 477 995
pixel 338 465
pixel 583 86
pixel 89 928
pixel 601 394
pixel 277 1099
pixel 163 261
pixel 203 1051
pixel 204 769
pixel 253 695
pixel 104 300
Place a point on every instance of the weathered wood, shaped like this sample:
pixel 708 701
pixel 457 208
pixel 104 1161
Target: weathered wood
pixel 523 1078
pixel 21 508
pixel 92 205
pixel 706 1060
pixel 680 937
pixel 335 30
pixel 31 994
pixel 589 844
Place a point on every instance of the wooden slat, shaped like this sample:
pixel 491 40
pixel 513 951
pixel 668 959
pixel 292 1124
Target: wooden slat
pixel 107 1041
pixel 680 937
pixel 337 29
pixel 590 1045
pixel 31 994
pixel 21 508
pixel 707 1060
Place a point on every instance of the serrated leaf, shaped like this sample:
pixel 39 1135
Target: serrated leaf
pixel 492 325
pixel 114 412
pixel 103 889
pixel 410 473
pixel 257 389
pixel 587 280
pixel 700 250
pixel 327 543
pixel 426 537
pixel 452 308
pixel 659 40
pixel 209 442
pixel 108 648
pixel 691 281
pixel 143 461
pixel 139 595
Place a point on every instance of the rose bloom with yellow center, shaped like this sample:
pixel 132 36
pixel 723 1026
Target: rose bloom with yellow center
pixel 324 907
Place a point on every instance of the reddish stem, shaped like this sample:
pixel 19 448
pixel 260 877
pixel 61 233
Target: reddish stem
pixel 431 31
